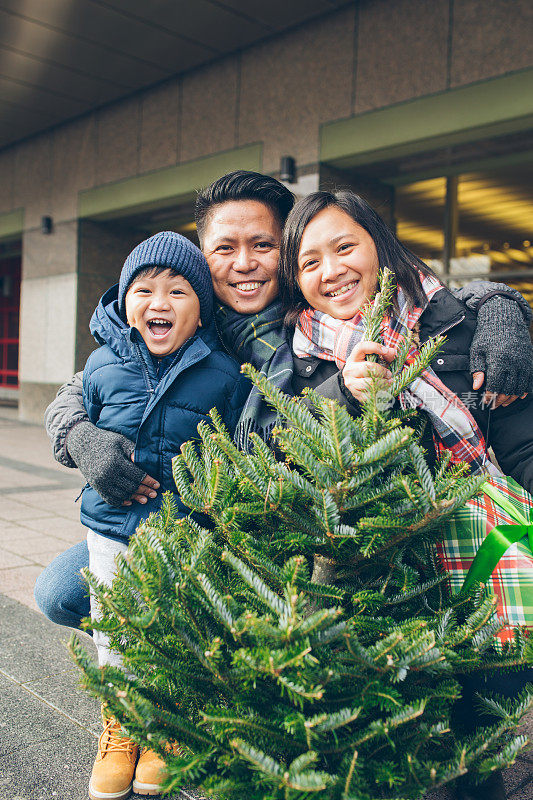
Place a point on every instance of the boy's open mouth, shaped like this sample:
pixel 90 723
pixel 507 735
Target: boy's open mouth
pixel 159 327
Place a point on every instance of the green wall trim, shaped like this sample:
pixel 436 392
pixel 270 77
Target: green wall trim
pixel 165 186
pixel 12 224
pixel 490 108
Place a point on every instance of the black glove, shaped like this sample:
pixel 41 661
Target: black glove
pixel 501 347
pixel 104 459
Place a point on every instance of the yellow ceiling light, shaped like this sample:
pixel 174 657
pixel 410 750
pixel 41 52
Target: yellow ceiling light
pixel 189 227
pixel 492 208
pixel 433 188
pixel 519 255
pixel 426 239
pixel 487 197
pixel 500 258
pixel 469 243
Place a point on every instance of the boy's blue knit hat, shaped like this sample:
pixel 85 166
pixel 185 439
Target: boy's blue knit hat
pixel 173 251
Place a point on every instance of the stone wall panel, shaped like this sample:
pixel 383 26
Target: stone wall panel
pixel 56 253
pixel 7 178
pixel 118 135
pixel 47 321
pixel 208 111
pixel 159 127
pixel 402 49
pixel 32 180
pixel 73 166
pixel 490 38
pixel 290 85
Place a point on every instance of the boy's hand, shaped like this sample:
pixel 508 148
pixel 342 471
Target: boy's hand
pixel 145 489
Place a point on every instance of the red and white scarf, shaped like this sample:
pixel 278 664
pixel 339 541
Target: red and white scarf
pixel 454 428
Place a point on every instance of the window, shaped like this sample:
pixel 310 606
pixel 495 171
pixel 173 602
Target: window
pixel 476 224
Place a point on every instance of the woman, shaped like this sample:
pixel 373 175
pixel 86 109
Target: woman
pixel 333 247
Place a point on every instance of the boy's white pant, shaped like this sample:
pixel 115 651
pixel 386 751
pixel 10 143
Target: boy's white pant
pixel 102 554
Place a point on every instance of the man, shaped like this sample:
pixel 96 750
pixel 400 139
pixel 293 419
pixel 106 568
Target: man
pixel 239 219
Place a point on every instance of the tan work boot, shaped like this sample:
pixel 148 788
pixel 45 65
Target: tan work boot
pixel 113 769
pixel 151 770
pixel 150 773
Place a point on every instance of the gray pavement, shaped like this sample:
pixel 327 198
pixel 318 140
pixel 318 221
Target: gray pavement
pixel 48 725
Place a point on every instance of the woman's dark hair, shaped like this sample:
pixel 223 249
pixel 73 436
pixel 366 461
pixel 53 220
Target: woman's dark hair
pixel 391 253
pixel 243 185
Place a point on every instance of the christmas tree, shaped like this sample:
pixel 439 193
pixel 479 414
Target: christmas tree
pixel 294 634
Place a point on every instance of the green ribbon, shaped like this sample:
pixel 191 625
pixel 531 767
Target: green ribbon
pixel 498 540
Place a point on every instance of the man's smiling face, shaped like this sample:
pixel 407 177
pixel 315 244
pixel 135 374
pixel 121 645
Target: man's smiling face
pixel 241 243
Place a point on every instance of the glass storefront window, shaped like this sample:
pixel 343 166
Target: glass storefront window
pixel 491 230
pixel 419 212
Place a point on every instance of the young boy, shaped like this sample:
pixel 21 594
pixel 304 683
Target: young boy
pixel 159 371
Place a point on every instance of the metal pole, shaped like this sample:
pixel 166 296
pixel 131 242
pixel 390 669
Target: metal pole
pixel 451 223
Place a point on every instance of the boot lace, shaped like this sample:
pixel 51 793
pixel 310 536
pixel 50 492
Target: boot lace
pixel 111 742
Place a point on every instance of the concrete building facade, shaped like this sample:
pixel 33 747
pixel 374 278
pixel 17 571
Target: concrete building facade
pixel 425 107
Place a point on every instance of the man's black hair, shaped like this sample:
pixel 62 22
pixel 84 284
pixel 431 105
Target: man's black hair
pixel 243 185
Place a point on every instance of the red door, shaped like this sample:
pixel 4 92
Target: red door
pixel 9 321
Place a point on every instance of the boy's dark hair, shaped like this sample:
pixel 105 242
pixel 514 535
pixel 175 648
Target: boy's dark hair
pixel 390 251
pixel 243 185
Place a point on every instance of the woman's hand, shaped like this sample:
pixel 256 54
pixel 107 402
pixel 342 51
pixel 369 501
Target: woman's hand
pixel 501 351
pixel 357 372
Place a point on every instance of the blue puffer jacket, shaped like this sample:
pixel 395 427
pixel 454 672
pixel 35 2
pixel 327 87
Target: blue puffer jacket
pixel 156 404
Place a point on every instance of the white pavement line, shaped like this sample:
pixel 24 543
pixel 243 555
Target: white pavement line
pixel 48 703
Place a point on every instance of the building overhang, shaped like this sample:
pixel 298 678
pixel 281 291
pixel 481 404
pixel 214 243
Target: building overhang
pixel 62 59
pixel 11 225
pixel 486 109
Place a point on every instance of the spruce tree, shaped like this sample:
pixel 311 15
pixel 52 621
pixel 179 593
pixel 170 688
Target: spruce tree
pixel 294 634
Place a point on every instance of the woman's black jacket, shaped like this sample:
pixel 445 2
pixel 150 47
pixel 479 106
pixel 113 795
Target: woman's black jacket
pixel 509 431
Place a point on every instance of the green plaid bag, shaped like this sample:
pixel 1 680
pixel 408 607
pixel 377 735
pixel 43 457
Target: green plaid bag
pixel 491 540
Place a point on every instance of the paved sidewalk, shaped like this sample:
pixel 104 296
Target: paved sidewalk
pixel 38 516
pixel 48 726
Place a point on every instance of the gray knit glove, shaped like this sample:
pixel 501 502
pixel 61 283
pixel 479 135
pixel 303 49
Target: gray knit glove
pixel 104 459
pixel 501 347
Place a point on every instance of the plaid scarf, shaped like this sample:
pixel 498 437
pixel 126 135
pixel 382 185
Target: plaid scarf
pixel 258 339
pixel 454 428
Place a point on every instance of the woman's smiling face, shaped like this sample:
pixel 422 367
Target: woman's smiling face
pixel 337 264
